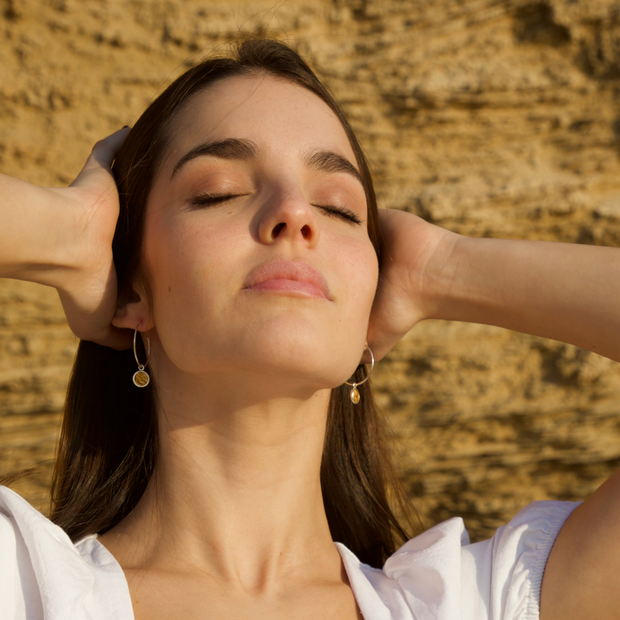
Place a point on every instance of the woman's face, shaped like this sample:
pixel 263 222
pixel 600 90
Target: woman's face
pixel 255 243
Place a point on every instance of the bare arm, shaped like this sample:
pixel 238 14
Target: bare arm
pixel 34 223
pixel 566 292
pixel 63 238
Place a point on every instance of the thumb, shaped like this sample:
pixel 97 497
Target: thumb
pixel 392 315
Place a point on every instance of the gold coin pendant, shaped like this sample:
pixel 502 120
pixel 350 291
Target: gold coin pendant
pixel 141 378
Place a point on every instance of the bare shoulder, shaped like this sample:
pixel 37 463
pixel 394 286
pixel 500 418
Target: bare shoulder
pixel 581 577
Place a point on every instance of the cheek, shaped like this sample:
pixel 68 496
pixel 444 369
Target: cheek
pixel 361 272
pixel 189 280
pixel 180 257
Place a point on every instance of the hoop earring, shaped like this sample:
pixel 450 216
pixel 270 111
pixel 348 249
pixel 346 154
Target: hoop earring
pixel 141 378
pixel 354 394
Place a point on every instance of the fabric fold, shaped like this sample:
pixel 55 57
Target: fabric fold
pixel 438 575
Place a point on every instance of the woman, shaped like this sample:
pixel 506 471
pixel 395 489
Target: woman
pixel 246 252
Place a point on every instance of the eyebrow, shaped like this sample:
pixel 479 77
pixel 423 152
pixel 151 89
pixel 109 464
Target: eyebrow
pixel 235 148
pixel 328 161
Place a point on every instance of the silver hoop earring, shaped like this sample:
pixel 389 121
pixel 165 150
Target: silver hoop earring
pixel 354 394
pixel 141 378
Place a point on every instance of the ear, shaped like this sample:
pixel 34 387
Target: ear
pixel 133 314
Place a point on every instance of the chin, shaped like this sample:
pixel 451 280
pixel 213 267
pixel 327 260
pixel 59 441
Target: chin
pixel 319 367
pixel 316 364
pixel 292 348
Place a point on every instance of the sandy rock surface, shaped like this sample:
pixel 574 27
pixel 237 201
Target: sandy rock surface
pixel 491 118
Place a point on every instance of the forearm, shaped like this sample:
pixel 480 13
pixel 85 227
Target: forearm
pixel 34 242
pixel 566 292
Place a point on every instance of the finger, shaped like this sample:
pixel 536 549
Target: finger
pixel 112 337
pixel 105 151
pixel 380 346
pixel 119 339
pixel 386 325
pixel 366 359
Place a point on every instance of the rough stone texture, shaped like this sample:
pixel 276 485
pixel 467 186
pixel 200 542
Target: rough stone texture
pixel 492 118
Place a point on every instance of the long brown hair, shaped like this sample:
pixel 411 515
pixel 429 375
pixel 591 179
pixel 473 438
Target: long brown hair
pixel 109 441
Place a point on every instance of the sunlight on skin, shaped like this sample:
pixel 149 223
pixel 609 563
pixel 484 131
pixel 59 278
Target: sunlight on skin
pixel 263 277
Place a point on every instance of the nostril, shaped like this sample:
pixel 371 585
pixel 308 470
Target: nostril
pixel 305 231
pixel 277 229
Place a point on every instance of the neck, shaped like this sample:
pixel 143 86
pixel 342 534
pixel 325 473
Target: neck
pixel 237 482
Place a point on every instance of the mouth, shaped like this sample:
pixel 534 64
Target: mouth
pixel 288 277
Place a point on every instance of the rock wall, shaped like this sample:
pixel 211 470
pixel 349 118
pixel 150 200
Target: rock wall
pixel 489 117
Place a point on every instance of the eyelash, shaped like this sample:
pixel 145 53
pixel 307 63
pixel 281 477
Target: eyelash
pixel 206 200
pixel 340 212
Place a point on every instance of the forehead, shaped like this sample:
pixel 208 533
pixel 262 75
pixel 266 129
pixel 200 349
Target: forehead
pixel 280 116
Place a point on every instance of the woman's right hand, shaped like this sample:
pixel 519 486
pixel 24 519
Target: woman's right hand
pixel 63 238
pixel 89 293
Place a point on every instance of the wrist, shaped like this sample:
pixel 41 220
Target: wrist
pixel 43 244
pixel 442 273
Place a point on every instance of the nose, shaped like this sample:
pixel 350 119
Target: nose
pixel 288 217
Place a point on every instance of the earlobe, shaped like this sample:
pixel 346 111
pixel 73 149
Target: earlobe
pixel 132 315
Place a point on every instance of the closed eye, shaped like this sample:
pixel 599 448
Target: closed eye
pixel 340 212
pixel 207 200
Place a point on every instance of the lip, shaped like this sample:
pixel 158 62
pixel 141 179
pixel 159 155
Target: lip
pixel 289 277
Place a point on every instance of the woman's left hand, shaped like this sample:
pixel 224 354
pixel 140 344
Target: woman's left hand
pixel 567 292
pixel 413 251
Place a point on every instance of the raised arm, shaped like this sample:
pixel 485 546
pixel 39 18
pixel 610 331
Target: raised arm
pixel 63 238
pixel 566 292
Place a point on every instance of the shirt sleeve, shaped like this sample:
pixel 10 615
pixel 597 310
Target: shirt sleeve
pixel 44 576
pixel 508 569
pixel 19 594
pixel 442 576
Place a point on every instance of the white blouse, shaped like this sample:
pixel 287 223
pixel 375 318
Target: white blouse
pixel 438 575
